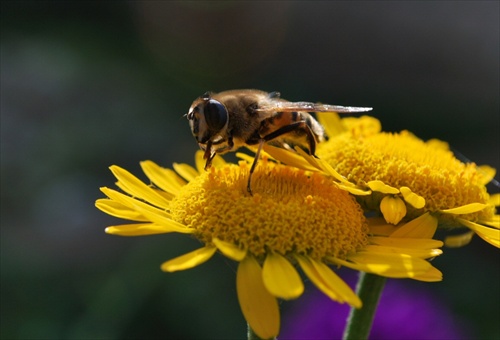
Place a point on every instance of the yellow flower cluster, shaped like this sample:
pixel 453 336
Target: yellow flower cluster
pixel 282 210
pixel 310 213
pixel 295 217
pixel 404 177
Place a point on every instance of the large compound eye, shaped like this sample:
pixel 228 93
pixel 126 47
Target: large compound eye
pixel 215 115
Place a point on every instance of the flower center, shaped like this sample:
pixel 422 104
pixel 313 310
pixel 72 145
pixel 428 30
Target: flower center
pixel 290 211
pixel 402 159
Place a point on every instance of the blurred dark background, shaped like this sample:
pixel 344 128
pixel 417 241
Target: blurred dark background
pixel 88 84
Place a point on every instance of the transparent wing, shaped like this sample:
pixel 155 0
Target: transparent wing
pixel 283 106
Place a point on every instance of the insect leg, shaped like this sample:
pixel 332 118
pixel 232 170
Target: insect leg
pixel 254 164
pixel 209 155
pixel 294 127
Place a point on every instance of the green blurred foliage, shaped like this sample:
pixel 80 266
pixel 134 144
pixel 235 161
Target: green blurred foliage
pixel 88 84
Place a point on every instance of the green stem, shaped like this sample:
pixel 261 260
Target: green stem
pixel 359 323
pixel 251 334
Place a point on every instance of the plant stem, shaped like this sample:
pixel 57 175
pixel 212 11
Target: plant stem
pixel 251 334
pixel 359 323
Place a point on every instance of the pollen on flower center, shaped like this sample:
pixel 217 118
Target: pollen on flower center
pixel 290 211
pixel 402 159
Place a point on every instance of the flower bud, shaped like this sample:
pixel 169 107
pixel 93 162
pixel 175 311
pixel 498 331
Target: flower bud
pixel 393 208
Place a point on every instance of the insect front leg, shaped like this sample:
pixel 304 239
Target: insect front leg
pixel 208 155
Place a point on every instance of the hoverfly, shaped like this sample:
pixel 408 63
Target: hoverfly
pixel 225 121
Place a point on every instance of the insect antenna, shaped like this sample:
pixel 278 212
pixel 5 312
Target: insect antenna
pixel 464 159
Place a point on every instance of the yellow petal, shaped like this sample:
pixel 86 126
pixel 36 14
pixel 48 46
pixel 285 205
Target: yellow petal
pixel 354 190
pixel 288 157
pixel 323 166
pixel 493 241
pixel 259 307
pixel 142 229
pixel 382 187
pixel 378 226
pixel 121 198
pixel 119 210
pixel 493 221
pixel 331 122
pixel 168 224
pixel 189 260
pixel 465 209
pixel 199 161
pixel 432 275
pixel 186 171
pixel 412 198
pixel 393 208
pixel 415 243
pixel 280 277
pixel 133 186
pixel 149 212
pixel 153 214
pixel 161 217
pixel 457 241
pixel 166 179
pixel 420 253
pixel 478 228
pixel 490 235
pixel 423 226
pixel 388 265
pixel 494 200
pixel 328 282
pixel 230 250
pixel 487 172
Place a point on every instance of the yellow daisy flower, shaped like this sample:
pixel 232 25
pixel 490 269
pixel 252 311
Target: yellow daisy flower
pixel 294 217
pixel 408 177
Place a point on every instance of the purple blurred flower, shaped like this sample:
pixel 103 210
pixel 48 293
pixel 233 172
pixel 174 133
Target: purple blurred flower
pixel 404 312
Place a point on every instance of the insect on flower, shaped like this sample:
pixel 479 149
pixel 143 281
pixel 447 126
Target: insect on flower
pixel 225 121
